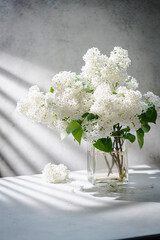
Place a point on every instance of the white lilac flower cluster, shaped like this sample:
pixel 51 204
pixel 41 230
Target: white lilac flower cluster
pixel 69 99
pixel 122 107
pixel 55 173
pixel 103 89
pixel 35 107
pixel 153 99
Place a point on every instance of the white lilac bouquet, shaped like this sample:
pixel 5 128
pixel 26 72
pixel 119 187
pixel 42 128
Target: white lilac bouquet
pixel 102 101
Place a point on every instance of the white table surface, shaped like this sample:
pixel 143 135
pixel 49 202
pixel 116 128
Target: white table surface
pixel 31 209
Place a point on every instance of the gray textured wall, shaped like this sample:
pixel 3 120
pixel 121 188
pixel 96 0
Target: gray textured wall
pixel 41 38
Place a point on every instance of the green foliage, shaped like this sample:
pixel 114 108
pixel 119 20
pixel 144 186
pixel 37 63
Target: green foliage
pixel 92 116
pixel 77 134
pixel 51 90
pixel 74 127
pixel 123 130
pixel 79 121
pixel 140 137
pixel 149 116
pixel 130 137
pixel 89 90
pixel 145 127
pixel 104 144
pixel 65 119
pixel 85 114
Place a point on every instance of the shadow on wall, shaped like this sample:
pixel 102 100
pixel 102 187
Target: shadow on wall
pixel 23 143
pixel 13 77
pixel 19 152
pixel 5 160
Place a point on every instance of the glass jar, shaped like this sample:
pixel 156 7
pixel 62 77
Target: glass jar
pixel 106 167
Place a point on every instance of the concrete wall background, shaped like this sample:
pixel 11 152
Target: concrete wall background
pixel 41 38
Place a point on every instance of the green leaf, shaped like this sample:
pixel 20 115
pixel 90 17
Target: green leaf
pixel 79 121
pixel 151 105
pixel 114 93
pixel 115 133
pixel 85 114
pixel 127 129
pixel 89 90
pixel 145 127
pixel 65 119
pixel 73 125
pixel 130 137
pixel 77 134
pixel 104 144
pixel 140 136
pixel 92 116
pixel 149 116
pixel 121 132
pixel 51 90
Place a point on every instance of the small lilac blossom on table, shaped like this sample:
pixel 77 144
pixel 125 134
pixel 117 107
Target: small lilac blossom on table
pixel 55 173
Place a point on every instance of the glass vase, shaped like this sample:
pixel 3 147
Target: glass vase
pixel 104 167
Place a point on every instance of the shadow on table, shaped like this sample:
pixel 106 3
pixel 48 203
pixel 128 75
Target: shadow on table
pixel 143 186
